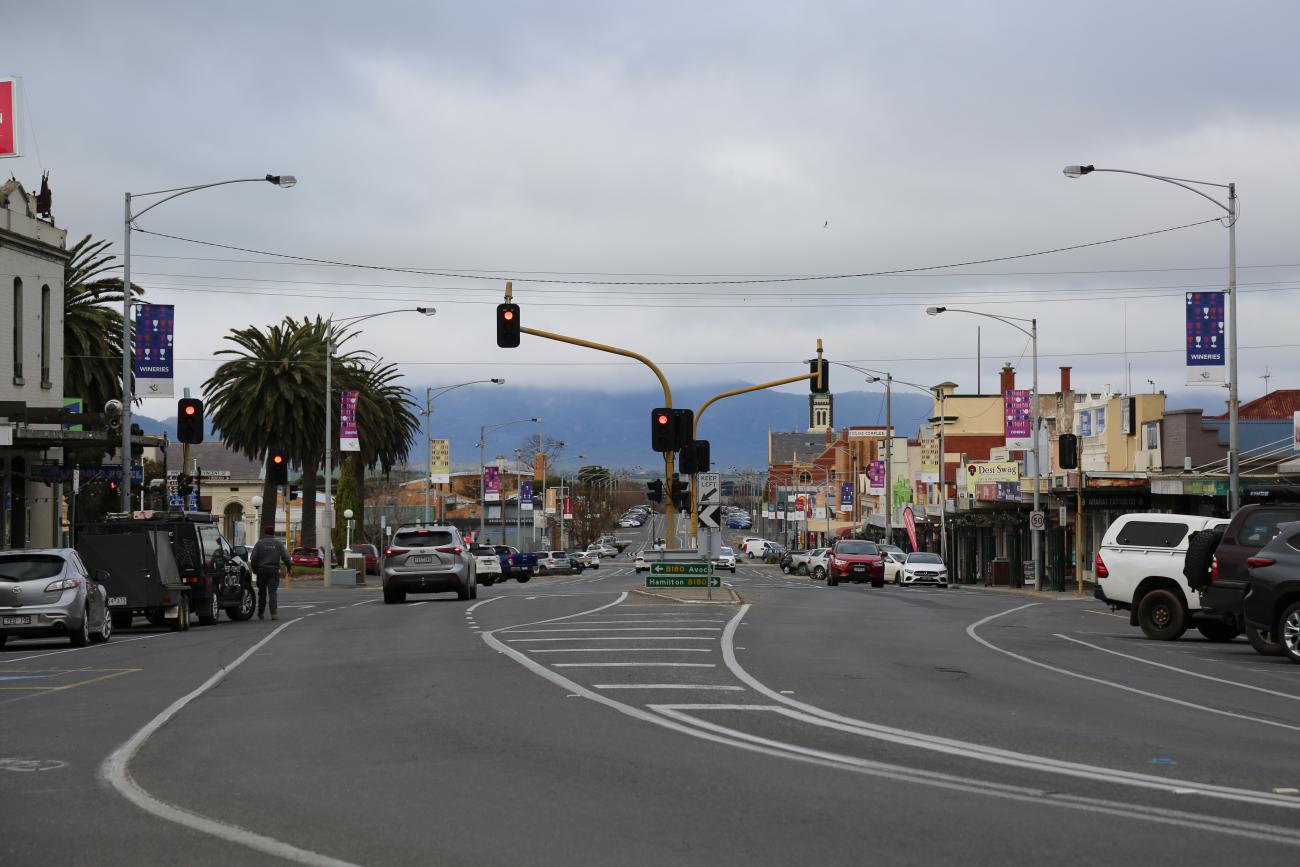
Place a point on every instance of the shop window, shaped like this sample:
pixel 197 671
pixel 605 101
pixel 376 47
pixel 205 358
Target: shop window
pixel 45 337
pixel 18 331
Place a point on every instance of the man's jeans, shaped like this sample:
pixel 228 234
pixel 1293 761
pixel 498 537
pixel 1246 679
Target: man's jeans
pixel 268 582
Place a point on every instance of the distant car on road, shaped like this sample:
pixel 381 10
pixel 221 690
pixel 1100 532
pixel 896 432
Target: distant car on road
pixel 921 567
pixel 856 560
pixel 726 559
pixel 428 559
pixel 600 549
pixel 753 546
pixel 312 558
pixel 819 563
pixel 47 592
pixel 487 565
pixel 588 559
pixel 551 562
pixel 893 566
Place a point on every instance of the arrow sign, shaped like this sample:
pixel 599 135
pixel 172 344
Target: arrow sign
pixel 708 517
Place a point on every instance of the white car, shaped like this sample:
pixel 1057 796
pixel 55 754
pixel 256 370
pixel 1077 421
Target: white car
pixel 753 546
pixel 726 559
pixel 819 563
pixel 893 566
pixel 921 567
pixel 1139 569
pixel 589 559
pixel 600 549
pixel 628 522
pixel 487 565
pixel 640 563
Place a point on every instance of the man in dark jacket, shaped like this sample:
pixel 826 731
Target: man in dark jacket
pixel 266 557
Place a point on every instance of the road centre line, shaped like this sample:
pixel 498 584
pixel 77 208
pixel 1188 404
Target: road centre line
pixel 704 686
pixel 617 638
pixel 1027 795
pixel 470 609
pixel 1181 670
pixel 624 650
pixel 970 630
pixel 115 771
pixel 626 622
pixel 634 665
pixel 625 629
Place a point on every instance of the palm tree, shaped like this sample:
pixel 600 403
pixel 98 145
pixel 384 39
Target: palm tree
pixel 386 422
pixel 92 325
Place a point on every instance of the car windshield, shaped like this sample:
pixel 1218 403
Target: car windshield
pixel 422 538
pixel 483 551
pixel 30 567
pixel 558 554
pixel 727 552
pixel 365 549
pixel 924 557
pixel 858 548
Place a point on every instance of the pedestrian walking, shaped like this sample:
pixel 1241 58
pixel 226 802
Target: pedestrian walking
pixel 268 554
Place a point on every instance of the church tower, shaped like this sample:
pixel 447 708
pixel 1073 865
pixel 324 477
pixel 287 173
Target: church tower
pixel 821 413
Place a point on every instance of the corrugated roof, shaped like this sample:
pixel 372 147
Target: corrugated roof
pixel 804 447
pixel 1280 404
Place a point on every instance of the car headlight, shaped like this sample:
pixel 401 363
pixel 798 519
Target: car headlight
pixel 63 584
pixel 839 562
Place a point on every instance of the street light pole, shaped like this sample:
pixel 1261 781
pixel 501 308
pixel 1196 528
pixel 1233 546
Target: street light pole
pixel 284 181
pixel 482 487
pixel 1234 472
pixel 428 430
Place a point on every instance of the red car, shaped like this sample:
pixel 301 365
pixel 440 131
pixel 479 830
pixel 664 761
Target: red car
pixel 371 553
pixel 310 557
pixel 856 560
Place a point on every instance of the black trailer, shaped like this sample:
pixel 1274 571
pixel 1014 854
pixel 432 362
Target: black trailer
pixel 143 576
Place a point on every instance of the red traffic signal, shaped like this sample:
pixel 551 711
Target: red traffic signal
pixel 189 420
pixel 507 326
pixel 277 467
pixel 662 430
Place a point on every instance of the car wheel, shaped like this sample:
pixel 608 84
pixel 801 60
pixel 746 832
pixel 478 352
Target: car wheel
pixel 81 637
pixel 1217 630
pixel 394 597
pixel 488 582
pixel 803 568
pixel 819 572
pixel 1289 631
pixel 786 569
pixel 121 619
pixel 247 605
pixel 523 579
pixel 1161 616
pixel 1201 546
pixel 877 582
pixel 156 617
pixel 733 570
pixel 105 630
pixel 465 593
pixel 3 639
pixel 211 611
pixel 1263 642
pixel 831 580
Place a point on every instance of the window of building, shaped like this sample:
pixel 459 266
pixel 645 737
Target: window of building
pixel 18 331
pixel 805 478
pixel 1151 436
pixel 45 337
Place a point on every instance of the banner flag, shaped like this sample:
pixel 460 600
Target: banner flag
pixel 909 522
pixel 348 439
pixel 1019 421
pixel 491 485
pixel 440 462
pixel 154 334
pixel 876 476
pixel 846 496
pixel 526 496
pixel 1206 352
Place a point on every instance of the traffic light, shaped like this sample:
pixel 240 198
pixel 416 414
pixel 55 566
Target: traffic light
pixel 694 458
pixel 277 468
pixel 189 420
pixel 294 492
pixel 137 451
pixel 184 486
pixel 681 494
pixel 663 430
pixel 684 435
pixel 1069 451
pixel 507 325
pixel 654 490
pixel 820 368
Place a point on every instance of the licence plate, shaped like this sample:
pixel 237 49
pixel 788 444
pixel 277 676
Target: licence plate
pixel 19 620
pixel 859 568
pixel 116 600
pixel 420 559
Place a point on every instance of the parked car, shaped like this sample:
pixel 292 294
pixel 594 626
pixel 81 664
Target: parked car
pixel 516 564
pixel 893 566
pixel 752 546
pixel 856 560
pixel 1217 565
pixel 795 562
pixel 49 592
pixel 589 559
pixel 428 559
pixel 1272 605
pixel 312 558
pixel 371 553
pixel 819 563
pixel 739 524
pixel 1139 569
pixel 726 559
pixel 487 565
pixel 921 568
pixel 549 562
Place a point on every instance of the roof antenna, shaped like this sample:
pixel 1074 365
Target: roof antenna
pixel 1268 374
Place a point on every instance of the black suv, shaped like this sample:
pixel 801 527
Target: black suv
pixel 1272 604
pixel 211 576
pixel 1217 565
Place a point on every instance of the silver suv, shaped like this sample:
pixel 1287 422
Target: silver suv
pixel 49 592
pixel 428 559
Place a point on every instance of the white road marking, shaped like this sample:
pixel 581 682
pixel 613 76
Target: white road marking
pixel 115 771
pixel 619 638
pixel 112 643
pixel 416 604
pixel 970 630
pixel 625 650
pixel 470 609
pixel 1181 670
pixel 626 622
pixel 625 629
pixel 720 688
pixel 634 665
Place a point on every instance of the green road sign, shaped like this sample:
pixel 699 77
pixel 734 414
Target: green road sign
pixel 681 568
pixel 683 580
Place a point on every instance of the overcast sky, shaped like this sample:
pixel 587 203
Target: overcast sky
pixel 633 139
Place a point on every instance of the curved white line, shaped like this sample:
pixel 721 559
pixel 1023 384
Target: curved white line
pixel 116 772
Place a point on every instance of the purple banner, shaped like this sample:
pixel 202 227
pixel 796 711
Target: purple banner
pixel 155 327
pixel 526 496
pixel 846 495
pixel 1018 419
pixel 876 476
pixel 349 441
pixel 491 485
pixel 1206 352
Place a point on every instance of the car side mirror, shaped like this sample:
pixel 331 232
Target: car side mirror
pixel 102 575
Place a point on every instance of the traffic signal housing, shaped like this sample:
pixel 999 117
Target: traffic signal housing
pixel 1068 446
pixel 820 383
pixel 694 458
pixel 137 449
pixel 277 467
pixel 507 325
pixel 654 490
pixel 671 430
pixel 184 486
pixel 189 420
pixel 681 495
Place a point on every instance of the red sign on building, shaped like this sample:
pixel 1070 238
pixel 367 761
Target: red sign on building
pixel 9 117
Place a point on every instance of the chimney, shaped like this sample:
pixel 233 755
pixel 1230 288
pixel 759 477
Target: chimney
pixel 1065 380
pixel 1008 379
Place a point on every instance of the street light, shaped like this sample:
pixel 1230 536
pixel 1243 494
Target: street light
pixel 1234 477
pixel 429 398
pixel 330 349
pixel 1032 332
pixel 278 180
pixel 257 504
pixel 482 442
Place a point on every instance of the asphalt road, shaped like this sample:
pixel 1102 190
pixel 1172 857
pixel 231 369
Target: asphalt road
pixel 572 720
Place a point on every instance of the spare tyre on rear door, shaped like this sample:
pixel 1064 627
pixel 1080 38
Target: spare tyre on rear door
pixel 1200 556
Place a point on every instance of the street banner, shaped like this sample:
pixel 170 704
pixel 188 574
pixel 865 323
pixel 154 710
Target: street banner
pixel 10 144
pixel 526 496
pixel 909 523
pixel 440 462
pixel 1295 431
pixel 929 461
pixel 154 330
pixel 800 503
pixel 1206 352
pixel 568 508
pixel 991 472
pixel 492 485
pixel 349 441
pixel 1019 419
pixel 539 468
pixel 846 496
pixel 810 506
pixel 876 477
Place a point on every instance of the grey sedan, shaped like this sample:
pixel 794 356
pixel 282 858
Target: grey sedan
pixel 428 559
pixel 48 592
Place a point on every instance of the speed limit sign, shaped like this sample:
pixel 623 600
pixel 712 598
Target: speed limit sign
pixel 1037 520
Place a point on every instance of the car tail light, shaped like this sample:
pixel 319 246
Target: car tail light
pixel 393 552
pixel 63 584
pixel 451 549
pixel 1258 562
pixel 1099 567
pixel 1214 567
pixel 192 579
